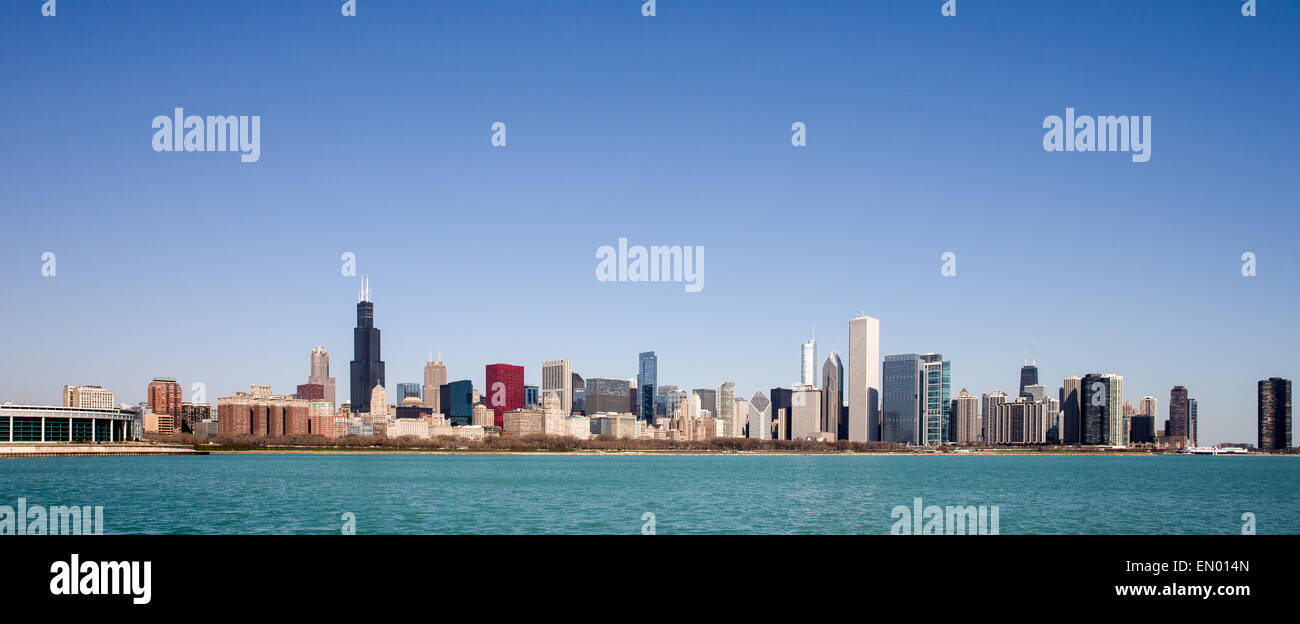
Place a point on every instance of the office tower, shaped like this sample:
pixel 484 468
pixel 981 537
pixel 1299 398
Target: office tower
pixel 708 399
pixel 1095 417
pixel 533 397
pixel 1071 410
pixel 633 407
pixel 901 407
pixel 557 376
pixel 505 389
pixel 320 373
pixel 675 404
pixel 647 383
pixel 936 399
pixel 311 392
pixel 741 417
pixel 1178 429
pixel 1035 393
pixel 1147 406
pixel 1191 422
pixel 833 396
pixel 806 413
pixel 92 397
pixel 808 363
pixel 457 399
pixel 966 418
pixel 781 401
pixel 1274 408
pixel 607 395
pixel 760 417
pixel 367 363
pixel 1028 376
pixel 1021 422
pixel 864 379
pixel 435 377
pixel 988 413
pixel 579 395
pixel 407 390
pixel 727 409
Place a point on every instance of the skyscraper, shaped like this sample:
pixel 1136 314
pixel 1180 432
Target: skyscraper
pixel 901 406
pixel 407 390
pixel 607 395
pixel 457 401
pixel 435 377
pixel 647 383
pixel 1191 422
pixel 727 409
pixel 579 395
pixel 504 390
pixel 1274 414
pixel 808 363
pixel 320 373
pixel 864 379
pixel 708 400
pixel 781 404
pixel 557 376
pixel 988 414
pixel 806 413
pixel 833 396
pixel 1178 424
pixel 936 402
pixel 966 418
pixel 760 417
pixel 165 402
pixel 1119 424
pixel 1028 376
pixel 1095 418
pixel 367 364
pixel 1071 409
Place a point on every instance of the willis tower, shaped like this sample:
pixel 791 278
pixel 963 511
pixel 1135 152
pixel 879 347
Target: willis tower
pixel 367 368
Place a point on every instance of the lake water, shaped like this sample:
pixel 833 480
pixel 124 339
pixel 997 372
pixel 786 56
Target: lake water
pixel 253 493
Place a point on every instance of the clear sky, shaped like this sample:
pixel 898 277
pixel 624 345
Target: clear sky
pixel 924 135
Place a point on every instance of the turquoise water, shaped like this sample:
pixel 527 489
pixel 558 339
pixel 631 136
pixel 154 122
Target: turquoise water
pixel 276 494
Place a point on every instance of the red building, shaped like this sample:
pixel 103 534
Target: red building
pixel 504 390
pixel 165 396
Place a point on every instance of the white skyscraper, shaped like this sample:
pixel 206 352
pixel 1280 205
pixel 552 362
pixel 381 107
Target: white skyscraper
pixel 760 417
pixel 727 409
pixel 864 379
pixel 808 363
pixel 557 376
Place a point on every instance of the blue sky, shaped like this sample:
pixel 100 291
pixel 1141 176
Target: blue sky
pixel 924 136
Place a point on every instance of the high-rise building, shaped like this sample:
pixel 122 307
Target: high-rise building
pixel 1071 409
pixel 1274 407
pixel 435 377
pixel 557 376
pixel 727 409
pixel 864 379
pixel 760 417
pixel 966 418
pixel 367 363
pixel 647 383
pixel 504 389
pixel 1028 376
pixel 261 413
pixel 607 395
pixel 806 413
pixel 1178 423
pixel 901 404
pixel 165 402
pixel 808 363
pixel 1191 422
pixel 708 400
pixel 1099 414
pixel 579 395
pixel 407 390
pixel 92 397
pixel 936 399
pixel 833 397
pixel 1142 429
pixel 988 413
pixel 782 400
pixel 319 367
pixel 533 397
pixel 1119 425
pixel 457 399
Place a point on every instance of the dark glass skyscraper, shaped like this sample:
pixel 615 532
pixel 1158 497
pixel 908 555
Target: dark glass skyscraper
pixel 647 384
pixel 782 399
pixel 1274 414
pixel 901 409
pixel 1178 423
pixel 457 402
pixel 1094 418
pixel 367 367
pixel 833 395
pixel 1028 377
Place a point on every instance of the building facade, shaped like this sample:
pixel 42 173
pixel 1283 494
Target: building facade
pixel 367 360
pixel 1274 414
pixel 864 379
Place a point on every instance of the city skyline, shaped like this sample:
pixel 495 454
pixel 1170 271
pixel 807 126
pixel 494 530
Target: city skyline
pixel 246 279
